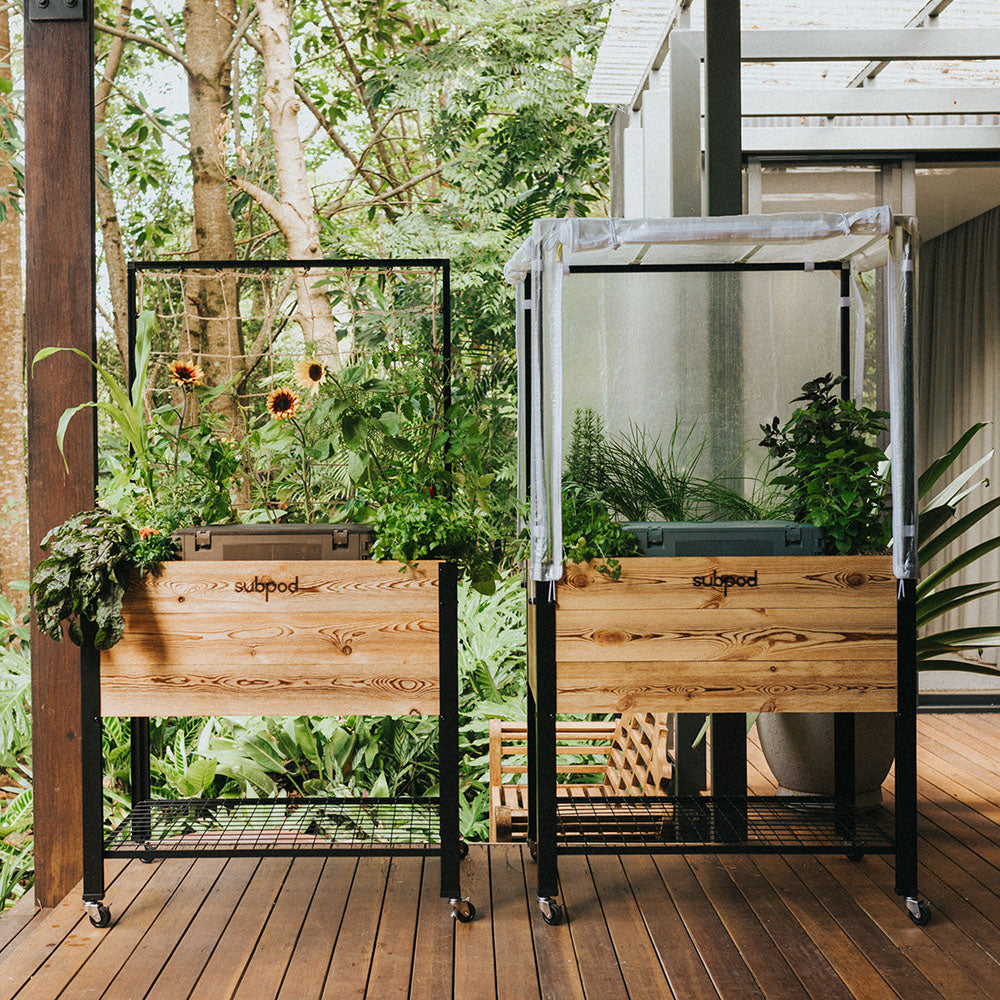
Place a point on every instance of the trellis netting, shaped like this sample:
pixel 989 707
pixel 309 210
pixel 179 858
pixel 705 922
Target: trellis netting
pixel 706 326
pixel 250 326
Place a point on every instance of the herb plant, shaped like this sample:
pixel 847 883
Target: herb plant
pixel 833 467
pixel 92 557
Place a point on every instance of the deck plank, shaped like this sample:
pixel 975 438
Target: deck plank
pixel 434 950
pixel 851 964
pixel 918 945
pixel 59 929
pixel 684 969
pixel 595 951
pixel 474 974
pixel 769 968
pixel 238 940
pixel 15 918
pixel 138 973
pixel 266 969
pixel 187 961
pixel 312 951
pixel 352 955
pixel 393 956
pixel 517 975
pixel 98 955
pixel 637 958
pixel 555 957
pixel 729 972
pixel 799 950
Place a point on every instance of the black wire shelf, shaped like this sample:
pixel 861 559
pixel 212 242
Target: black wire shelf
pixel 290 827
pixel 714 825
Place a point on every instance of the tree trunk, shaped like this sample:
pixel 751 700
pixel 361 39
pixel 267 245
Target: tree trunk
pixel 295 212
pixel 107 211
pixel 213 334
pixel 14 562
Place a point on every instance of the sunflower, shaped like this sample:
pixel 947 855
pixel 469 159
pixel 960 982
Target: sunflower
pixel 282 404
pixel 186 374
pixel 310 374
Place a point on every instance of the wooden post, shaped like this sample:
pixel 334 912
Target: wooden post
pixel 60 307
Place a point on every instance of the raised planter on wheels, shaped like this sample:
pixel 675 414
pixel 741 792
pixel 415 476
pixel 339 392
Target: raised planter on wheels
pixel 283 619
pixel 665 320
pixel 282 638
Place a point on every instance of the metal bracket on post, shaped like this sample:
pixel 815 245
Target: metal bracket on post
pixel 57 10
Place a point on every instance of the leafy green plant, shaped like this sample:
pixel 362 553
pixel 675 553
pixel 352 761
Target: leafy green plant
pixel 589 533
pixel 587 461
pixel 126 406
pixel 92 557
pixel 833 474
pixel 937 531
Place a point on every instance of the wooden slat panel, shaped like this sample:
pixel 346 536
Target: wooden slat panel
pixel 743 634
pixel 299 689
pixel 746 686
pixel 782 582
pixel 349 585
pixel 275 638
pixel 355 637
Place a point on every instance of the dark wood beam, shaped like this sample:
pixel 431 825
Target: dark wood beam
pixel 60 308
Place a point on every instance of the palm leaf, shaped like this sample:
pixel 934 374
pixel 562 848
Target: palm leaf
pixel 931 548
pixel 959 562
pixel 938 468
pixel 933 605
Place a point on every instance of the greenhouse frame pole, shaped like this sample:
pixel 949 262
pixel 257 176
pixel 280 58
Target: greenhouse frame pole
pixel 724 172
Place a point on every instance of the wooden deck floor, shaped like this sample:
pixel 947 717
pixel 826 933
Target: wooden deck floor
pixel 638 927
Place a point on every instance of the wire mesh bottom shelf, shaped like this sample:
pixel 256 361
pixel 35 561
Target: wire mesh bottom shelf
pixel 277 827
pixel 706 824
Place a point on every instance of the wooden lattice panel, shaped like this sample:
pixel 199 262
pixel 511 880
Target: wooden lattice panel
pixel 639 762
pixel 277 638
pixel 721 634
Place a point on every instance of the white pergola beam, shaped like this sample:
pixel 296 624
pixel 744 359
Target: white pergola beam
pixel 869 139
pixel 927 16
pixel 876 45
pixel 788 102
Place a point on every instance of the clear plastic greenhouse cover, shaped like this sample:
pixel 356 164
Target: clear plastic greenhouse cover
pixel 658 349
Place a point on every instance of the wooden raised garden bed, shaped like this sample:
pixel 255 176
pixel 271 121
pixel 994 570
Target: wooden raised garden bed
pixel 798 634
pixel 277 638
pixel 350 637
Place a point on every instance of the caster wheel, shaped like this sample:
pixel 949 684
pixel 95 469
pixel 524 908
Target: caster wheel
pixel 919 912
pixel 551 911
pixel 103 917
pixel 463 850
pixel 855 855
pixel 463 911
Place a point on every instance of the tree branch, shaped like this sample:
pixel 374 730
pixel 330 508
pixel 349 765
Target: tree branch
pixel 142 40
pixel 165 26
pixel 413 182
pixel 265 199
pixel 239 33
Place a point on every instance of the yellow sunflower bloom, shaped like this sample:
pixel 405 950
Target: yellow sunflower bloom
pixel 282 404
pixel 186 374
pixel 310 374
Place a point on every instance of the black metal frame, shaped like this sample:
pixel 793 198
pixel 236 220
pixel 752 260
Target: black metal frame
pixel 729 822
pixel 168 828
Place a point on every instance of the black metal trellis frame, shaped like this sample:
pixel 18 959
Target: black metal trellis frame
pixel 300 827
pixel 729 820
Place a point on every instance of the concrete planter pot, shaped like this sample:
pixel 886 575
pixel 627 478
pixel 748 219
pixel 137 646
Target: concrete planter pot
pixel 799 750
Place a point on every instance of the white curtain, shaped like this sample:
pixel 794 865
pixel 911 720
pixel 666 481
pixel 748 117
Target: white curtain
pixel 958 369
